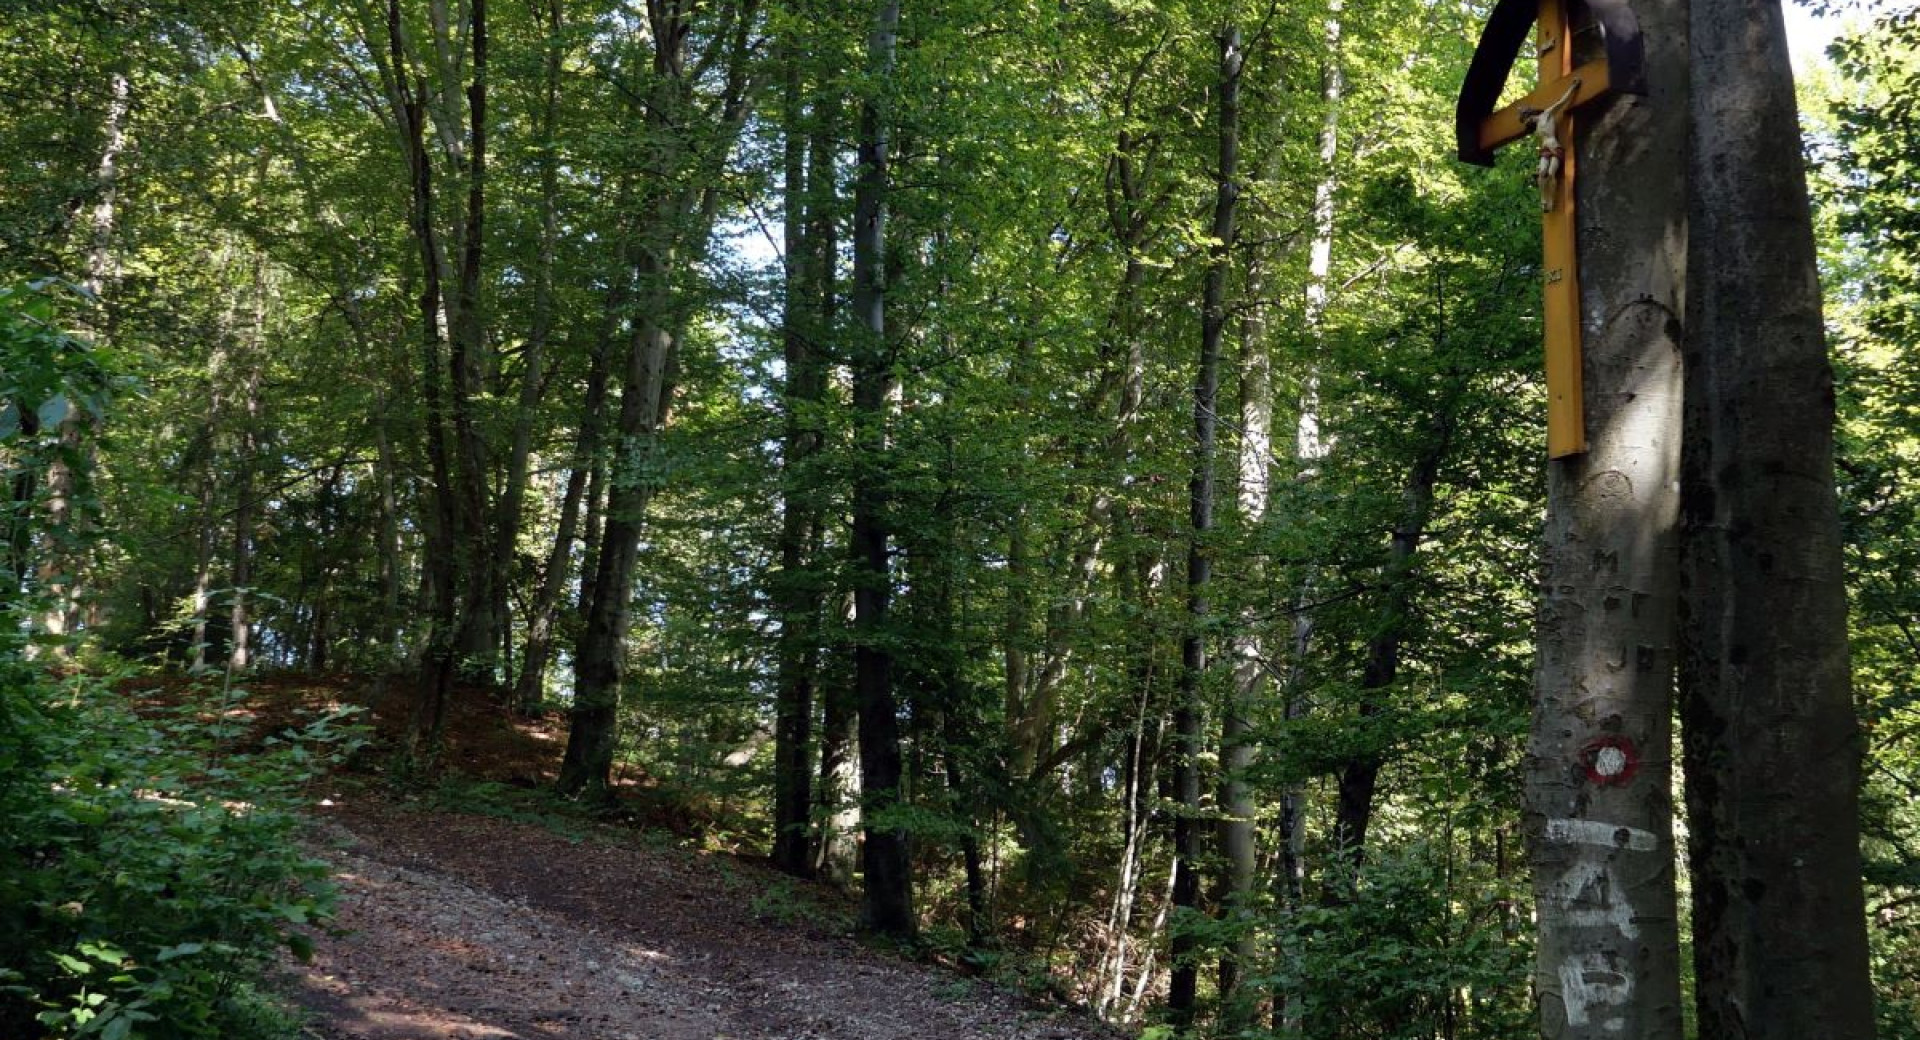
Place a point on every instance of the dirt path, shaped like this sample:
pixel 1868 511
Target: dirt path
pixel 472 927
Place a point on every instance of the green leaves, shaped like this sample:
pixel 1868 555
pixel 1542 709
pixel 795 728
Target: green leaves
pixel 185 949
pixel 143 884
pixel 43 369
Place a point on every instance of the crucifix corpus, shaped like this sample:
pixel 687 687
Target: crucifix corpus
pixel 1546 114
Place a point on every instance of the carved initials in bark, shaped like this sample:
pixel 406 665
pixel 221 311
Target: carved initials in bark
pixel 1599 823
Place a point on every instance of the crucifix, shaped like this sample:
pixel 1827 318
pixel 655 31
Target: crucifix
pixel 1547 114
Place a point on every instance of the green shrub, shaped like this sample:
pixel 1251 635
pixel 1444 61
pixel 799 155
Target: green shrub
pixel 148 874
pixel 1413 951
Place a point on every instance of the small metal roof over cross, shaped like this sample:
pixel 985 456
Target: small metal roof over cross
pixel 1547 114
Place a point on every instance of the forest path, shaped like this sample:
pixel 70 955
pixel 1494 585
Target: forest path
pixel 464 926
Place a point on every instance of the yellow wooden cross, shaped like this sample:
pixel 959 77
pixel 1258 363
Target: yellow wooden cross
pixel 1547 113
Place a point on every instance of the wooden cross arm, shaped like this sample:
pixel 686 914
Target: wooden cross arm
pixel 1510 123
pixel 1507 30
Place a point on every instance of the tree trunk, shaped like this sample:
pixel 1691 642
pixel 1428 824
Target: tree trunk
pixel 511 508
pixel 203 555
pixel 887 889
pixel 440 572
pixel 1137 782
pixel 66 475
pixel 477 646
pixel 1598 771
pixel 1246 647
pixel 454 337
pixel 592 533
pixel 1031 701
pixel 945 714
pixel 599 664
pixel 1309 448
pixel 1772 745
pixel 1183 987
pixel 1359 776
pixel 23 489
pixel 809 285
pixel 245 466
pixel 600 659
pixel 386 466
pixel 585 482
pixel 837 798
pixel 530 688
pixel 675 228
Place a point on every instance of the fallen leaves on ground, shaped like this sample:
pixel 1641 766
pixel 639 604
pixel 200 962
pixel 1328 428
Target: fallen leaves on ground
pixel 462 927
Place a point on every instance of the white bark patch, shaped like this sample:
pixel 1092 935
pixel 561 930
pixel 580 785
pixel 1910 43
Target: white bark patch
pixel 1599 832
pixel 1592 987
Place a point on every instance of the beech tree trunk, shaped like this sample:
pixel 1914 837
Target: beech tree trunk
pixel 674 229
pixel 586 480
pixel 477 645
pixel 511 506
pixel 60 567
pixel 887 891
pixel 1772 745
pixel 1247 649
pixel 1137 783
pixel 22 490
pixel 1309 447
pixel 1032 694
pixel 1183 984
pixel 1598 770
pixel 1360 775
pixel 451 337
pixel 808 193
pixel 600 658
pixel 592 532
pixel 246 417
pixel 531 686
pixel 203 561
pixel 837 796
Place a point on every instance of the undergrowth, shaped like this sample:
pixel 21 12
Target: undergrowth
pixel 149 867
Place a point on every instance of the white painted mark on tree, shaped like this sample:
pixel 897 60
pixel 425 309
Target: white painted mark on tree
pixel 1598 832
pixel 1589 897
pixel 1591 987
pixel 1610 761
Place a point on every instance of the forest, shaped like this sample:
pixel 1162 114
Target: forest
pixel 1066 485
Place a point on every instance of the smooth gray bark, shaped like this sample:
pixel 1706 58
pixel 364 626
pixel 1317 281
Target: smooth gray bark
pixel 1359 776
pixel 674 229
pixel 203 566
pixel 837 795
pixel 1182 986
pixel 808 190
pixel 1132 211
pixel 1772 745
pixel 530 688
pixel 1598 770
pixel 1309 448
pixel 246 418
pixel 449 334
pixel 477 644
pixel 67 475
pixel 510 509
pixel 1246 648
pixel 887 887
